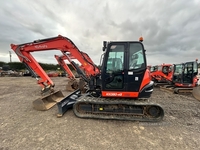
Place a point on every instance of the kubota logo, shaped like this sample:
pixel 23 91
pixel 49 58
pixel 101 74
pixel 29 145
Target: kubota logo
pixel 40 46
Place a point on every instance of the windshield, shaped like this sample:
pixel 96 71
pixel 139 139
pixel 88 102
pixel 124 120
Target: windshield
pixel 115 59
pixel 136 57
pixel 178 69
pixel 188 69
pixel 116 56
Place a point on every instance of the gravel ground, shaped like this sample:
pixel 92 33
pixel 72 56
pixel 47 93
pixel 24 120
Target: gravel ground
pixel 22 127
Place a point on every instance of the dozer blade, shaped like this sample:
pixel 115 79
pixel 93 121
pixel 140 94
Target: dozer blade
pixel 196 92
pixel 48 101
pixel 67 102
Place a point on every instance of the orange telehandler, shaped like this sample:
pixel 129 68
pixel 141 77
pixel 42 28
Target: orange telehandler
pixel 118 91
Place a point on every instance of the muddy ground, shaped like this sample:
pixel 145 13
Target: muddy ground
pixel 22 127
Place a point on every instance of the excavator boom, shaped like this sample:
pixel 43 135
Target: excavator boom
pixel 62 44
pixel 60 60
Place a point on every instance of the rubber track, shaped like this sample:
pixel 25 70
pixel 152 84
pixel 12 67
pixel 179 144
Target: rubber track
pixel 112 116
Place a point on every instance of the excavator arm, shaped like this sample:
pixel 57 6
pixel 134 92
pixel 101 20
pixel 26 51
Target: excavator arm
pixel 72 83
pixel 61 43
pixel 61 62
pixel 33 66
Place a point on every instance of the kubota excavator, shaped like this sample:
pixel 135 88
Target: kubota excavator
pixel 118 91
pixel 163 74
pixel 72 83
pixel 184 78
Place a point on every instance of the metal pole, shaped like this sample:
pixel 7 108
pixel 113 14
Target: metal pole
pixel 10 56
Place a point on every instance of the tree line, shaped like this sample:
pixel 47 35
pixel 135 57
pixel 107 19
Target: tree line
pixel 18 66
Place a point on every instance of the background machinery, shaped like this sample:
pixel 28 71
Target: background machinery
pixel 184 78
pixel 162 75
pixel 72 83
pixel 118 91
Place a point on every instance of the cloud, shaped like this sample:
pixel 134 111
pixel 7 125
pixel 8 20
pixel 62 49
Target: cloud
pixel 170 28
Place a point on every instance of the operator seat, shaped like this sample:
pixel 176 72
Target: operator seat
pixel 117 64
pixel 133 61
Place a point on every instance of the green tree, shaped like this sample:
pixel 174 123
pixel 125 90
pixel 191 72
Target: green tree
pixel 16 65
pixel 2 63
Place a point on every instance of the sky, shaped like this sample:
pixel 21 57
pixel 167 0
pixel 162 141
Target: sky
pixel 170 28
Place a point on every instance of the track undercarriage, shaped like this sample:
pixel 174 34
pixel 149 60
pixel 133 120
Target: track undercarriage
pixel 117 109
pixel 111 108
pixel 176 90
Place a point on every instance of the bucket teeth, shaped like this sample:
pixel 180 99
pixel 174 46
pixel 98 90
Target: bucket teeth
pixel 48 101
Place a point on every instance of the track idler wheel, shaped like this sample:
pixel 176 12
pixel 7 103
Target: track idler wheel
pixel 153 111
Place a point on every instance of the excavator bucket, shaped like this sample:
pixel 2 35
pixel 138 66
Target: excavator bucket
pixel 72 85
pixel 196 92
pixel 75 84
pixel 48 101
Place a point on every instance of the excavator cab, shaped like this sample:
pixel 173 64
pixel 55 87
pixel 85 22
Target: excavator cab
pixel 185 74
pixel 128 68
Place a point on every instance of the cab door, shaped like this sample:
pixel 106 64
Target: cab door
pixel 114 67
pixel 136 66
pixel 124 67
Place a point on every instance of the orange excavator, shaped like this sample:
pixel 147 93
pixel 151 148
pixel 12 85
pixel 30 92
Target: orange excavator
pixel 184 78
pixel 118 91
pixel 72 83
pixel 162 75
pixel 60 60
